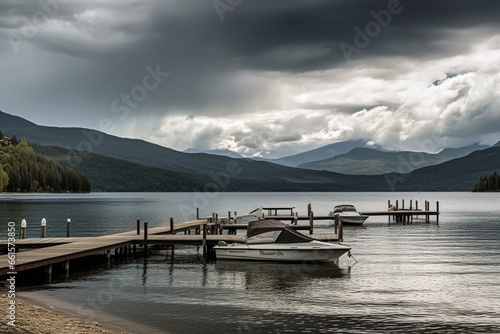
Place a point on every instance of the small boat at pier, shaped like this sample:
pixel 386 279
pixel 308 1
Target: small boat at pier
pixel 272 240
pixel 348 214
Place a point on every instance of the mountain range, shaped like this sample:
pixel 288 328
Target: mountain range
pixel 209 172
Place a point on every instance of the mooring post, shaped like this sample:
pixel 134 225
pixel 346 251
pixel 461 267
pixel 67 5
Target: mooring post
pixel 66 269
pixel 145 230
pixel 48 274
pixel 172 225
pixel 341 231
pixel 337 220
pixel 397 205
pixel 296 218
pixel 43 225
pixel 437 212
pixel 204 240
pixel 416 205
pixel 68 228
pixel 309 209
pixel 216 218
pixel 311 220
pixel 24 226
pixel 411 204
pixel 197 213
pixel 402 204
pixel 229 216
pixel 138 226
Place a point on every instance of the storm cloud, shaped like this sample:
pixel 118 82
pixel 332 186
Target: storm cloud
pixel 259 77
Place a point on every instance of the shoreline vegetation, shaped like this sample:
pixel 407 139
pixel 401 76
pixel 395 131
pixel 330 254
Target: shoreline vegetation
pixel 35 319
pixel 22 170
pixel 489 183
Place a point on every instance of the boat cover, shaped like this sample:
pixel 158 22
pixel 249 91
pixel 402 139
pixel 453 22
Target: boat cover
pixel 273 231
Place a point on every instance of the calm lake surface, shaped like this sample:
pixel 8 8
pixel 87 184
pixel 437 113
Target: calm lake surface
pixel 416 278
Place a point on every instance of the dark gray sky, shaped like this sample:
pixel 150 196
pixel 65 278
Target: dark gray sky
pixel 259 77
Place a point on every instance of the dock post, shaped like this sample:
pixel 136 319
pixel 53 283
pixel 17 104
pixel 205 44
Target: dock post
pixel 309 209
pixel 337 220
pixel 145 230
pixel 411 204
pixel 48 274
pixel 416 205
pixel 229 215
pixel 295 219
pixel 397 205
pixel 216 218
pixel 138 226
pixel 172 225
pixel 437 212
pixel 311 220
pixel 427 207
pixel 24 226
pixel 66 269
pixel 341 230
pixel 68 228
pixel 204 240
pixel 402 204
pixel 197 213
pixel 43 225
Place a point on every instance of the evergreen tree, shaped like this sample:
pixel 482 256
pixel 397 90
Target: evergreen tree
pixel 4 178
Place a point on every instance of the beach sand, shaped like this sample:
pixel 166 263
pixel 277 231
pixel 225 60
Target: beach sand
pixel 31 318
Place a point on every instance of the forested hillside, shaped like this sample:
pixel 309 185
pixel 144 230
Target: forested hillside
pixel 488 183
pixel 110 174
pixel 22 170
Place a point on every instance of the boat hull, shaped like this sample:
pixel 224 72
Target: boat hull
pixel 353 219
pixel 272 253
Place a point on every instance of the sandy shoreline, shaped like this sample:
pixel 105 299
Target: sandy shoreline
pixel 32 318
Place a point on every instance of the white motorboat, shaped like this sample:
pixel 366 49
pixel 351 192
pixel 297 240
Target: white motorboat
pixel 348 214
pixel 253 215
pixel 272 240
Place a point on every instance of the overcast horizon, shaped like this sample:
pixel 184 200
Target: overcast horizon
pixel 261 78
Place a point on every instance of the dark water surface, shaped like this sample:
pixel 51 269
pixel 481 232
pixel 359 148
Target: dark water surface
pixel 416 278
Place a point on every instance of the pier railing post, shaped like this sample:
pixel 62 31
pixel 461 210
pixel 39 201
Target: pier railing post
pixel 311 220
pixel 204 240
pixel 138 226
pixel 24 227
pixel 337 220
pixel 309 209
pixel 341 231
pixel 197 213
pixel 145 230
pixel 43 225
pixel 437 212
pixel 68 228
pixel 172 225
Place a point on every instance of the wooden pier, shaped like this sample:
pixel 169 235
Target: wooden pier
pixel 46 252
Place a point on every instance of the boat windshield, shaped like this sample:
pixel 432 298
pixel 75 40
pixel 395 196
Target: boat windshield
pixel 344 208
pixel 273 231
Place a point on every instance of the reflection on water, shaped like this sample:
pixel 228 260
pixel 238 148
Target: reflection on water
pixel 416 278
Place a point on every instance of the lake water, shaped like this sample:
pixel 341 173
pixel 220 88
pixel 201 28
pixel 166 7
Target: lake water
pixel 416 278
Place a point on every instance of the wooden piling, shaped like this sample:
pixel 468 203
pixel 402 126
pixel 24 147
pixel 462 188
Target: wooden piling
pixel 204 240
pixel 309 209
pixel 197 213
pixel 43 225
pixel 437 212
pixel 24 227
pixel 341 230
pixel 145 230
pixel 171 225
pixel 68 228
pixel 311 220
pixel 138 226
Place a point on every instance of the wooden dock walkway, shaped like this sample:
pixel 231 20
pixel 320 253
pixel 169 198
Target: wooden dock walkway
pixel 45 252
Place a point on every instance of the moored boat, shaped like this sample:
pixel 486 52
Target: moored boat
pixel 348 214
pixel 272 240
